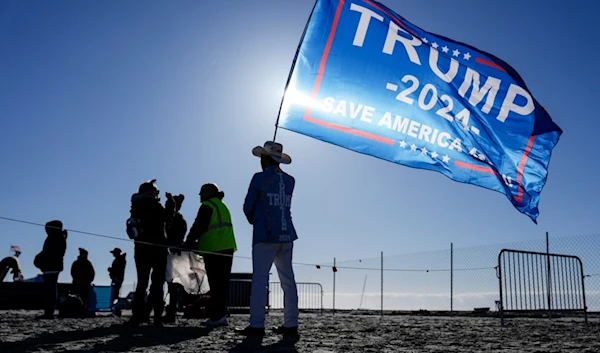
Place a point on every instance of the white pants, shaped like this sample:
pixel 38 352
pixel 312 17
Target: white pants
pixel 263 257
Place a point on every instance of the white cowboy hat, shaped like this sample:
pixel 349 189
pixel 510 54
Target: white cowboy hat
pixel 273 149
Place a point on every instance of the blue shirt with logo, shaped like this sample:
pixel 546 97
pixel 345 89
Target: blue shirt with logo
pixel 268 206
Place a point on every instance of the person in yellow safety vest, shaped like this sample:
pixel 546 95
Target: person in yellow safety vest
pixel 212 232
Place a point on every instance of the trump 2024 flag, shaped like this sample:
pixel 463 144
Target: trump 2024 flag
pixel 367 80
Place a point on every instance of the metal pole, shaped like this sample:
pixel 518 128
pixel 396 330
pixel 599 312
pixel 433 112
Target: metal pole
pixel 334 285
pixel 382 284
pixel 501 301
pixel 548 280
pixel 451 276
pixel 363 293
pixel 287 83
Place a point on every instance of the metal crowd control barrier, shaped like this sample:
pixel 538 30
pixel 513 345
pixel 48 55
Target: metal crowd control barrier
pixel 310 296
pixel 239 295
pixel 537 282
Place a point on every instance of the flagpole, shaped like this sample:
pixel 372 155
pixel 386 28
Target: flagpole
pixel 292 67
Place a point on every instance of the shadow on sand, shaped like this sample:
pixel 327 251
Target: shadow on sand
pixel 125 340
pixel 254 344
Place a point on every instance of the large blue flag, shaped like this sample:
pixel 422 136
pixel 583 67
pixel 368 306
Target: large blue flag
pixel 367 80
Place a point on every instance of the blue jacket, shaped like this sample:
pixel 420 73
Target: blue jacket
pixel 267 206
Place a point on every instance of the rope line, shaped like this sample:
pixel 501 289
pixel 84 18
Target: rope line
pixel 239 256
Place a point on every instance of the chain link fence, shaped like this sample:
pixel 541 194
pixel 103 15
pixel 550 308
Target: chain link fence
pixel 453 279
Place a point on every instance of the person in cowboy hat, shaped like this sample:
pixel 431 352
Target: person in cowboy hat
pixel 117 274
pixel 267 208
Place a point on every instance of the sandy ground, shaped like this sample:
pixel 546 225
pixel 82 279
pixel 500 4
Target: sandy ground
pixel 19 332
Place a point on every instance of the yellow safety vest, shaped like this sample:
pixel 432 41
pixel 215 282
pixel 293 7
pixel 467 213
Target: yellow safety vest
pixel 219 235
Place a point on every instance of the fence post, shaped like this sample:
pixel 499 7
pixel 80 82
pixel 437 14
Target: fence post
pixel 334 270
pixel 363 293
pixel 549 279
pixel 382 284
pixel 451 277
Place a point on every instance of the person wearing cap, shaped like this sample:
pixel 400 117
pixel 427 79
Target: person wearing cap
pixel 51 262
pixel 212 233
pixel 117 274
pixel 83 274
pixel 152 223
pixel 267 207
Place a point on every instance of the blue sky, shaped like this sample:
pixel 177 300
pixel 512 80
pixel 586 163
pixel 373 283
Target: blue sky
pixel 96 97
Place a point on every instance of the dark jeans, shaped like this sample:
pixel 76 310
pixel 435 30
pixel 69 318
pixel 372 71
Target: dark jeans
pixel 175 294
pixel 149 260
pixel 114 294
pixel 218 270
pixel 50 293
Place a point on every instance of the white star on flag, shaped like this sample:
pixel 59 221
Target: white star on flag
pixel 455 52
pixel 424 150
pixel 402 144
pixel 446 159
pixel 424 40
pixel 445 49
pixel 434 155
pixel 467 56
pixel 435 45
pixel 413 147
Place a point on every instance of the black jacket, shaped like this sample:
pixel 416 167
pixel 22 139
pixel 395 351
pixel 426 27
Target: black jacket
pixel 51 258
pixel 83 271
pixel 7 264
pixel 199 227
pixel 155 220
pixel 117 269
pixel 176 235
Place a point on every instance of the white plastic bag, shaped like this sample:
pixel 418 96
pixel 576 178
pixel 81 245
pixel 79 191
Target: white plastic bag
pixel 188 270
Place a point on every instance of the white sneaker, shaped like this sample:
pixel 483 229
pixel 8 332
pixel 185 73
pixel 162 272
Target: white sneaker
pixel 221 322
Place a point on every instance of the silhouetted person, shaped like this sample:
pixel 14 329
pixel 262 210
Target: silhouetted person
pixel 147 226
pixel 213 232
pixel 11 264
pixel 51 262
pixel 175 237
pixel 83 275
pixel 117 273
pixel 267 207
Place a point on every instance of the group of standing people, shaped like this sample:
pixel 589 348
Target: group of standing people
pixel 51 262
pixel 267 206
pixel 83 274
pixel 157 229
